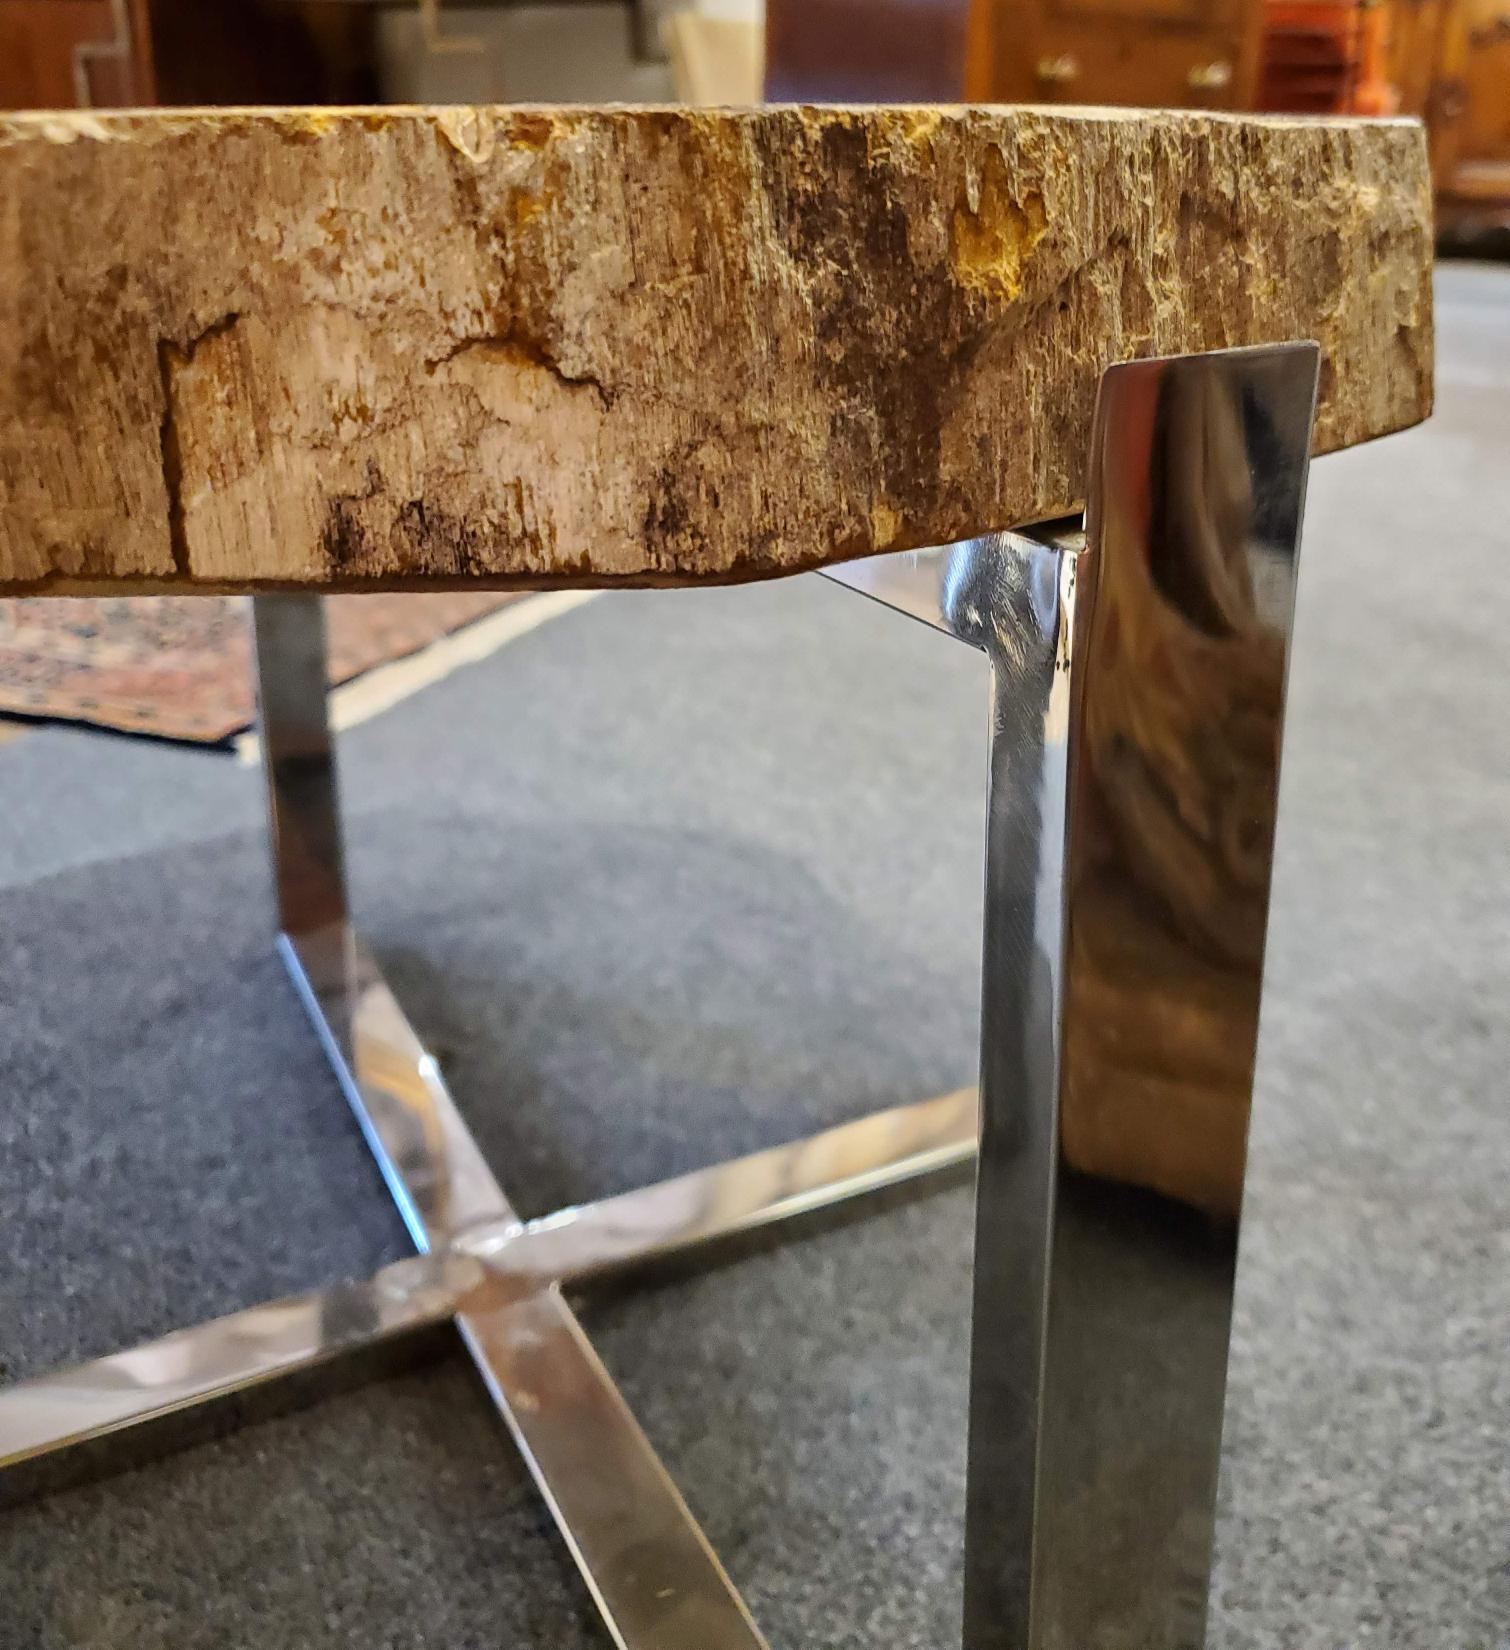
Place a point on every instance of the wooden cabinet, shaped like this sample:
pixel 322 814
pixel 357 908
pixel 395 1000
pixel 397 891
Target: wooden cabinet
pixel 1449 61
pixel 1467 113
pixel 71 54
pixel 1415 30
pixel 1446 61
pixel 1200 54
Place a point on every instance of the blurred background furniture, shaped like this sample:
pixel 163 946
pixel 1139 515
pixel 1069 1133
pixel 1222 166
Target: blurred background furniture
pixel 1184 54
pixel 715 59
pixel 866 51
pixel 1451 61
pixel 65 54
pixel 1445 61
pixel 1320 56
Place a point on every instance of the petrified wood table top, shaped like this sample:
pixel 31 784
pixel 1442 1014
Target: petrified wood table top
pixel 370 348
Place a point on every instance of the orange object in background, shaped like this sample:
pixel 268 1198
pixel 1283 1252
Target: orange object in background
pixel 1325 57
pixel 1374 94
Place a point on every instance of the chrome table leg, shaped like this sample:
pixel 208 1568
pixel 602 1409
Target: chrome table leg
pixel 1137 702
pixel 1138 698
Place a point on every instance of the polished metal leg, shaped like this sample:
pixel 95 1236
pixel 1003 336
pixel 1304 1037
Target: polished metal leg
pixel 1137 697
pixel 1138 677
pixel 298 759
pixel 1138 705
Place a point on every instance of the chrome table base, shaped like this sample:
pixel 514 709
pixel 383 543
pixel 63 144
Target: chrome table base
pixel 1136 709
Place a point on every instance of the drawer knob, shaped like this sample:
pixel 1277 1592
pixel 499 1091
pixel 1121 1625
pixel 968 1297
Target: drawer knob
pixel 1210 77
pixel 1055 71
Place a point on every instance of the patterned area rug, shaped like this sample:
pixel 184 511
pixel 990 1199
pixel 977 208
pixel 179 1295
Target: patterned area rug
pixel 180 667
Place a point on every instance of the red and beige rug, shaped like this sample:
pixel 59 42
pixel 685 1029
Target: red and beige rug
pixel 180 667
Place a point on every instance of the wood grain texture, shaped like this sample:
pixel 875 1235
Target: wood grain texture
pixel 369 348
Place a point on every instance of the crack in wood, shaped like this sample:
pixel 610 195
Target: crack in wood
pixel 172 358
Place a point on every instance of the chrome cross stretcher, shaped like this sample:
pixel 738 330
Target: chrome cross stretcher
pixel 1137 670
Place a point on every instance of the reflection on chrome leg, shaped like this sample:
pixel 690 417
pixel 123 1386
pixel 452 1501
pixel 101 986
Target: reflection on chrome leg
pixel 1139 692
pixel 1137 702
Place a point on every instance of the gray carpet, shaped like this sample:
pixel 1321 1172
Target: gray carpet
pixel 684 874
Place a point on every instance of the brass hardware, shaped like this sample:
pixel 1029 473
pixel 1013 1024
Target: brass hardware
pixel 1210 77
pixel 1055 71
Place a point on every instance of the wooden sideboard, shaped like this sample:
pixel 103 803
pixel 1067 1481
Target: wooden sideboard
pixel 1451 62
pixel 1446 61
pixel 1190 54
